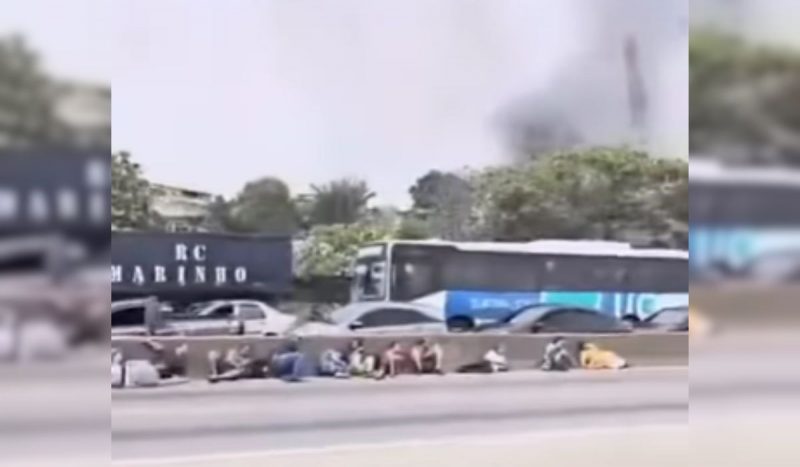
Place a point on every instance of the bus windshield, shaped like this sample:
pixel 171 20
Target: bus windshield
pixel 370 275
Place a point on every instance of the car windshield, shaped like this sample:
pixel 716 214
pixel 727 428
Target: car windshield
pixel 670 316
pixel 197 307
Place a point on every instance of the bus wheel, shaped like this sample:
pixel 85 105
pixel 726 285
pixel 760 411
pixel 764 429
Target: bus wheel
pixel 460 324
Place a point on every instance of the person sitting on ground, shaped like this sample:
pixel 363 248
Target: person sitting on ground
pixel 427 357
pixel 495 359
pixel 594 358
pixel 359 362
pixel 132 372
pixel 332 363
pixel 391 360
pixel 238 363
pixel 557 357
pixel 288 363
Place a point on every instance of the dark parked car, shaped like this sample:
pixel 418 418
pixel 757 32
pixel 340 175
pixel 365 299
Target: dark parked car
pixel 379 318
pixel 552 318
pixel 672 319
pixel 138 317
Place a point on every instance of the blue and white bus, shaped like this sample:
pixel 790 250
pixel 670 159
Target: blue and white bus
pixel 744 222
pixel 480 282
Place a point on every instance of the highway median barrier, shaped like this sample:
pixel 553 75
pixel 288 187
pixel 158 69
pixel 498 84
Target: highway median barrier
pixel 523 351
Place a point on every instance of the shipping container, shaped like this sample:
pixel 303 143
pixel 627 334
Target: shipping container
pixel 200 266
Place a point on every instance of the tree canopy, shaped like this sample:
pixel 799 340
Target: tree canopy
pixel 745 99
pixel 442 207
pixel 130 194
pixel 340 202
pixel 603 193
pixel 330 250
pixel 264 206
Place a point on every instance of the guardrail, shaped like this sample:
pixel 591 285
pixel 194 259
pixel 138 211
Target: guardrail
pixel 645 349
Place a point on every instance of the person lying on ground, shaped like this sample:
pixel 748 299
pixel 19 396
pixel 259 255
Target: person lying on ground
pixel 359 362
pixel 557 357
pixel 595 358
pixel 427 357
pixel 332 363
pixel 148 372
pixel 238 363
pixel 289 363
pixel 168 366
pixel 493 361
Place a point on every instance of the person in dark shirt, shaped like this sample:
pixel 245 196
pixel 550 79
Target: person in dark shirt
pixel 557 357
pixel 238 363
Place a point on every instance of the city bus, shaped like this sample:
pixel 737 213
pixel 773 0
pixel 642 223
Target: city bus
pixel 475 283
pixel 744 222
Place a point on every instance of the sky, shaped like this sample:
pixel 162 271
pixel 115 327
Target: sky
pixel 73 38
pixel 210 94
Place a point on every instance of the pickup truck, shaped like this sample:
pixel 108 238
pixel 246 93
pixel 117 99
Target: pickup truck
pixel 221 317
pixel 231 317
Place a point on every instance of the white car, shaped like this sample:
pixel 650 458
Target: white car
pixel 378 318
pixel 232 317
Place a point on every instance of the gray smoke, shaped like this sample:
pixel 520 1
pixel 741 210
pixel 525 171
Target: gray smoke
pixel 587 101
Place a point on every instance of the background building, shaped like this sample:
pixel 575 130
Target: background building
pixel 180 209
pixel 84 110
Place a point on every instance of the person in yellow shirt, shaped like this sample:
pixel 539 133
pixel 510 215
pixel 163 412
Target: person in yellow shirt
pixel 593 357
pixel 699 325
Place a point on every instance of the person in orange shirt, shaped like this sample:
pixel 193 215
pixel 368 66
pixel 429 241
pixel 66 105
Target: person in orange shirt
pixel 593 357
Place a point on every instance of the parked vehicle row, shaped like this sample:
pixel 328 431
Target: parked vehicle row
pixel 251 317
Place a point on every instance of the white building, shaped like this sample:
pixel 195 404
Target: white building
pixel 182 209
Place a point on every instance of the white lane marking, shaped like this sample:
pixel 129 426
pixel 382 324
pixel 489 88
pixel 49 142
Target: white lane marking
pixel 490 440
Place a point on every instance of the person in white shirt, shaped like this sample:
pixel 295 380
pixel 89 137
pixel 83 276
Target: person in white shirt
pixel 495 359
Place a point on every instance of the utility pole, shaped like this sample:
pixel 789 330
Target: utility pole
pixel 637 95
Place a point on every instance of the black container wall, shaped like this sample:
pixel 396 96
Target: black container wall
pixel 200 266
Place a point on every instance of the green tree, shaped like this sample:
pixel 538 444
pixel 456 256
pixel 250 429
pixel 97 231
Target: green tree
pixel 443 201
pixel 130 194
pixel 219 217
pixel 414 228
pixel 330 250
pixel 745 99
pixel 263 206
pixel 29 117
pixel 340 202
pixel 602 193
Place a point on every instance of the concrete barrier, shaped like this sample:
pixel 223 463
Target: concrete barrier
pixel 646 349
pixel 742 305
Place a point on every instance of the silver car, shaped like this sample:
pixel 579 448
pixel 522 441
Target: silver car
pixel 233 317
pixel 379 318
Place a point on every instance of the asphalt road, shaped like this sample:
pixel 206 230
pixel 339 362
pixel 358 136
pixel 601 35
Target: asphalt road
pixel 347 422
